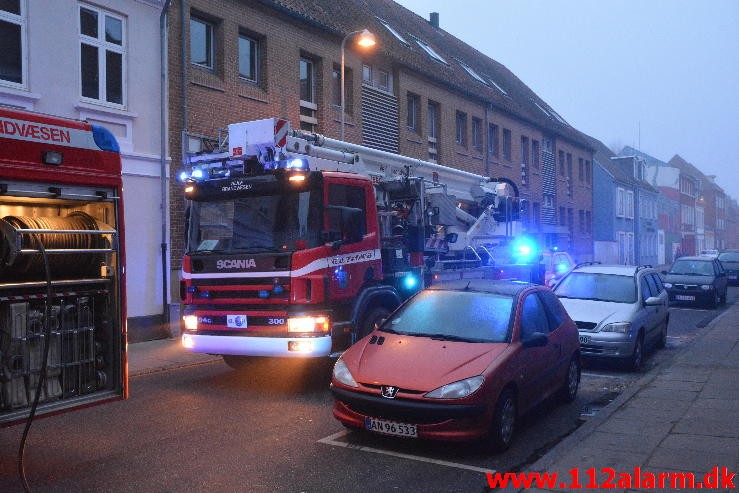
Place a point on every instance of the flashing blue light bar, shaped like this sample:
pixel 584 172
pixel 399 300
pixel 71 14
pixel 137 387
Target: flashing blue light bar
pixel 197 174
pixel 105 139
pixel 524 250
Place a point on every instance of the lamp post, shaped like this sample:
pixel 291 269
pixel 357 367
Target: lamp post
pixel 366 39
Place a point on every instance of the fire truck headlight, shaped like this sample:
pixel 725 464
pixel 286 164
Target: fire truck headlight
pixel 187 342
pixel 191 322
pixel 307 324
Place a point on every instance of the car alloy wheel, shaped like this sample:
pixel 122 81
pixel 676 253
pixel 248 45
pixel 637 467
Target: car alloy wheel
pixel 504 421
pixel 568 392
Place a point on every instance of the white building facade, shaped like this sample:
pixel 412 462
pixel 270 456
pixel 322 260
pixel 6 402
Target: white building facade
pixel 100 61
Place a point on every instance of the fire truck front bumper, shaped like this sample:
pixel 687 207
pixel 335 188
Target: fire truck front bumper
pixel 282 347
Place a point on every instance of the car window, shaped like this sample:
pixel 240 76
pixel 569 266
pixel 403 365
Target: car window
pixel 597 286
pixel 719 268
pixel 729 257
pixel 658 281
pixel 553 308
pixel 653 288
pixel 645 292
pixel 533 317
pixel 692 267
pixel 468 315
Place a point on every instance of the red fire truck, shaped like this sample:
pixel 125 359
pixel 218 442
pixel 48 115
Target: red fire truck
pixel 298 244
pixel 62 304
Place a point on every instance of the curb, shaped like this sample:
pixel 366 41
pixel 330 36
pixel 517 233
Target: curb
pixel 567 444
pixel 172 366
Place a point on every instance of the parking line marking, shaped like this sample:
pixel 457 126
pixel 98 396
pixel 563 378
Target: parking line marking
pixel 331 440
pixel 591 374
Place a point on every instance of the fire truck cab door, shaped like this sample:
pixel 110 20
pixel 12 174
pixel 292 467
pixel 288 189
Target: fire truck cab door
pixel 353 254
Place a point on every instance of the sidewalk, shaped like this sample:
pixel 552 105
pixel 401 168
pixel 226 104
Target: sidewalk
pixel 162 354
pixel 680 418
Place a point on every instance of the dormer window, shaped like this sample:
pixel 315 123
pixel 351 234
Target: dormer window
pixel 392 31
pixel 472 72
pixel 498 87
pixel 430 51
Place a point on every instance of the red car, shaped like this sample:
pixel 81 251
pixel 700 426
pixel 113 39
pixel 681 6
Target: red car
pixel 460 361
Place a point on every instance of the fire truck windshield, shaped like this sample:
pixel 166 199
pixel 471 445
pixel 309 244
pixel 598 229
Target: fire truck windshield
pixel 285 221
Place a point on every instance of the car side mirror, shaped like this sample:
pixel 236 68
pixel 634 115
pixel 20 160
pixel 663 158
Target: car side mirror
pixel 537 339
pixel 652 301
pixel 664 272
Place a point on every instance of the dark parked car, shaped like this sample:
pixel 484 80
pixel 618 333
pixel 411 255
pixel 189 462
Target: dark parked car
pixel 730 262
pixel 696 280
pixel 460 361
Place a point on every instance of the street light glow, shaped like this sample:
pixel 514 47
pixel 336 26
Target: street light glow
pixel 366 40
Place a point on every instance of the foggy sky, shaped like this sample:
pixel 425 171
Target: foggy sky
pixel 661 76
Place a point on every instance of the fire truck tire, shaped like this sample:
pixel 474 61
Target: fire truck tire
pixel 373 316
pixel 237 362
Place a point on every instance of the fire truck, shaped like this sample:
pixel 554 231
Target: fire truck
pixel 62 305
pixel 298 244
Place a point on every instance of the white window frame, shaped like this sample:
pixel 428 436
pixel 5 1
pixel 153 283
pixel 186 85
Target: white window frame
pixel 384 74
pixel 20 20
pixel 367 74
pixel 392 31
pixel 630 204
pixel 620 202
pixel 103 47
pixel 476 134
pixel 413 108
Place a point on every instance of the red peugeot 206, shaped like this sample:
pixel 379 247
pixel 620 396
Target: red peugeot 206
pixel 460 361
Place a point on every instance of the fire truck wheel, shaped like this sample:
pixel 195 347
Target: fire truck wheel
pixel 373 317
pixel 237 362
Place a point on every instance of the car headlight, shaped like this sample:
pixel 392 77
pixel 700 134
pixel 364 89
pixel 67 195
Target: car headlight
pixel 457 390
pixel 190 322
pixel 668 285
pixel 621 327
pixel 307 324
pixel 343 375
pixel 706 287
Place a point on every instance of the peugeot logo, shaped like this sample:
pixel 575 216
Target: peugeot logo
pixel 388 391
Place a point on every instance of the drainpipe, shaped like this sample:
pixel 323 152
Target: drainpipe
pixel 163 153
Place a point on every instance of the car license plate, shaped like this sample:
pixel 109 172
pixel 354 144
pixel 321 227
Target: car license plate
pixel 683 297
pixel 390 427
pixel 584 339
pixel 236 321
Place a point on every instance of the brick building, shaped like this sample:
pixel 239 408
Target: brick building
pixel 421 92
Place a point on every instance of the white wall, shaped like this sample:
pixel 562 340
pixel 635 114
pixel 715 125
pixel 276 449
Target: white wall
pixel 53 87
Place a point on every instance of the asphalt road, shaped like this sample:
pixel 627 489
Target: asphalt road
pixel 209 428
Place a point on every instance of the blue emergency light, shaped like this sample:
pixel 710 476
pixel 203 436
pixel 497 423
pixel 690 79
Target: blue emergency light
pixel 524 250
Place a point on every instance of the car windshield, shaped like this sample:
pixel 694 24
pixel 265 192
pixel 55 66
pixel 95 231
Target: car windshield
pixel 692 268
pixel 255 223
pixel 729 257
pixel 597 286
pixel 454 315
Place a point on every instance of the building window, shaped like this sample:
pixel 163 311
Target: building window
pixel 621 202
pixel 524 150
pixel 201 43
pixel 13 42
pixel 506 144
pixel 580 169
pixel 248 58
pixel 393 31
pixel 588 172
pixel 477 134
pixel 367 74
pixel 493 140
pixel 461 129
pixel 414 102
pixel 102 55
pixel 308 106
pixel 535 153
pixel 588 222
pixel 630 204
pixel 561 156
pixel 548 200
pixel 537 215
pixel 562 217
pixel 348 88
pixel 383 80
pixel 569 166
pixel 581 220
pixel 430 51
pixel 432 128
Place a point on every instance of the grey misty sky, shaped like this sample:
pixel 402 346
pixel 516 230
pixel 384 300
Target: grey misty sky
pixel 658 75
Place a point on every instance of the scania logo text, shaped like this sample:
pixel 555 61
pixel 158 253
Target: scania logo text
pixel 236 264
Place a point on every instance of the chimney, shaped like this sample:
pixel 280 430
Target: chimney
pixel 434 19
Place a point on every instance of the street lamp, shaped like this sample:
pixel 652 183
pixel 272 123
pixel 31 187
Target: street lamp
pixel 366 39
